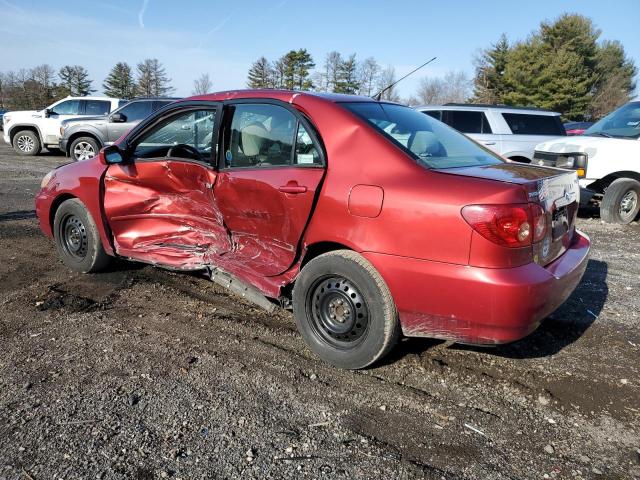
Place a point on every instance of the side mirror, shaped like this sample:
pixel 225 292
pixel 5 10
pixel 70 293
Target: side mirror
pixel 118 117
pixel 112 155
pixel 47 112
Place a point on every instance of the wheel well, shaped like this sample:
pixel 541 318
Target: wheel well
pixel 518 158
pixel 316 249
pixel 601 185
pixel 55 205
pixel 73 137
pixel 20 128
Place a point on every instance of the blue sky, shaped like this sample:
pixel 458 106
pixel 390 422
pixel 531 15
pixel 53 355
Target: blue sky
pixel 222 38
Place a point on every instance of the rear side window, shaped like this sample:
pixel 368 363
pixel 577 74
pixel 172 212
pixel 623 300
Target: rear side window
pixel 466 122
pixel 136 111
pixel 528 124
pixel 97 107
pixel 159 104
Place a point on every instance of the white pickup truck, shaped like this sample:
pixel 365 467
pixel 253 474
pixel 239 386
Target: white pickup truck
pixel 31 130
pixel 607 159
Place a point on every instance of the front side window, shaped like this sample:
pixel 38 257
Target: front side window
pixel 621 123
pixel 467 122
pixel 430 142
pixel 260 135
pixel 437 114
pixel 97 107
pixel 187 135
pixel 68 107
pixel 136 111
pixel 528 124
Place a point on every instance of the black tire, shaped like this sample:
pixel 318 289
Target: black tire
pixel 26 143
pixel 84 148
pixel 77 238
pixel 344 310
pixel 621 202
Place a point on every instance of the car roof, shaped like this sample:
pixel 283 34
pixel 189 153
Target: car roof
pixel 479 107
pixel 159 99
pixel 282 95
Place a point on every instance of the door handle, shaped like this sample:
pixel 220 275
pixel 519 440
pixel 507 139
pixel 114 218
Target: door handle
pixel 292 187
pixel 488 143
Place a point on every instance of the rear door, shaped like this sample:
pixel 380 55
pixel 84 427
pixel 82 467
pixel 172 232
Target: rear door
pixel 271 166
pixel 160 205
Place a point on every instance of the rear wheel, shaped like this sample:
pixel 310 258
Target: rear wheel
pixel 27 143
pixel 84 148
pixel 77 238
pixel 621 202
pixel 344 310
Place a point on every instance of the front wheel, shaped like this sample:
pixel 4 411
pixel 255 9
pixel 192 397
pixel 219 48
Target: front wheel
pixel 84 148
pixel 27 143
pixel 344 310
pixel 77 238
pixel 621 202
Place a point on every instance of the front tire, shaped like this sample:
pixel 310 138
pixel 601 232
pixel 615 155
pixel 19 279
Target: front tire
pixel 77 238
pixel 27 143
pixel 344 310
pixel 621 202
pixel 84 148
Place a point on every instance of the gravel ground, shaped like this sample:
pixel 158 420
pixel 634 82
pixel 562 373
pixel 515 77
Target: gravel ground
pixel 142 373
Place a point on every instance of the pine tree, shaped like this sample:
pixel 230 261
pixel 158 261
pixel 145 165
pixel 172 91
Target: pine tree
pixel 260 74
pixel 348 76
pixel 119 83
pixel 489 85
pixel 75 80
pixel 152 80
pixel 297 65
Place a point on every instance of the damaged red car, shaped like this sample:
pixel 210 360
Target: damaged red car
pixel 367 218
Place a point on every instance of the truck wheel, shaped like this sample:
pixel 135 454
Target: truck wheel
pixel 84 148
pixel 27 143
pixel 344 310
pixel 621 201
pixel 77 238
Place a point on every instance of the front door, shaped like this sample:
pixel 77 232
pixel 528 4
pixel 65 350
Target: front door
pixel 271 168
pixel 57 113
pixel 160 204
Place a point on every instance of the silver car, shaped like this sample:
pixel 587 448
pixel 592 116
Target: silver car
pixel 512 132
pixel 82 138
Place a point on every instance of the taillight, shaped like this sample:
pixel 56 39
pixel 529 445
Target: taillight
pixel 514 225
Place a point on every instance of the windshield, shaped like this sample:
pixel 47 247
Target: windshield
pixel 621 123
pixel 429 141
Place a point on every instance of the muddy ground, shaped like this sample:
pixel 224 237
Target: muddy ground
pixel 142 373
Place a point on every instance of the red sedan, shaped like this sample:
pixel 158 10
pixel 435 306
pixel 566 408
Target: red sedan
pixel 369 219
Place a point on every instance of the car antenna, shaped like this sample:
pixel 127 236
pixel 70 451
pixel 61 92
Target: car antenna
pixel 379 94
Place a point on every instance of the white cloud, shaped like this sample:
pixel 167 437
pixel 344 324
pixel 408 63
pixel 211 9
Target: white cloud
pixel 141 13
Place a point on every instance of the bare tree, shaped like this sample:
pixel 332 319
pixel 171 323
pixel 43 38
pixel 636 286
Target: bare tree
pixel 369 71
pixel 202 85
pixel 385 79
pixel 453 87
pixel 332 64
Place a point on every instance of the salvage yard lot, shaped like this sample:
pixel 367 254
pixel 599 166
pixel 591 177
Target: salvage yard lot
pixel 144 373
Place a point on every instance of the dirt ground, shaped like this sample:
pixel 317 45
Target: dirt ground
pixel 141 373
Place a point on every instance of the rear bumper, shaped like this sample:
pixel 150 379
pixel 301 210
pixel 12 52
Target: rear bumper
pixel 479 305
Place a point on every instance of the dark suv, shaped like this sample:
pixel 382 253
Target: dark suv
pixel 82 138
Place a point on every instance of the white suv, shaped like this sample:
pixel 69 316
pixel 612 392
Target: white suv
pixel 607 159
pixel 30 130
pixel 512 132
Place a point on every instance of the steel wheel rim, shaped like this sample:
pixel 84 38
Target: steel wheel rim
pixel 83 151
pixel 25 143
pixel 339 315
pixel 628 204
pixel 75 241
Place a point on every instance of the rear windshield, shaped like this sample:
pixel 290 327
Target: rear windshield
pixel 429 141
pixel 527 124
pixel 621 123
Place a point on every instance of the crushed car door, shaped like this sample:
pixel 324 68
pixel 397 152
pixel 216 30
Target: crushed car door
pixel 159 205
pixel 271 168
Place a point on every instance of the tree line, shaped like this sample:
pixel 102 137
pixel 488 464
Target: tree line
pixel 37 87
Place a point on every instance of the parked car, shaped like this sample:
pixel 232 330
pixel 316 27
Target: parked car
pixel 512 132
pixel 82 138
pixel 605 157
pixel 2 112
pixel 367 218
pixel 576 128
pixel 28 131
